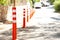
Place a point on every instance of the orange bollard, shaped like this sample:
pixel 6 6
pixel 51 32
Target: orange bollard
pixel 32 13
pixel 27 15
pixel 14 33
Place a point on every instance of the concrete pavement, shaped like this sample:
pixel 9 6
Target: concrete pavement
pixel 40 27
pixel 41 16
pixel 42 32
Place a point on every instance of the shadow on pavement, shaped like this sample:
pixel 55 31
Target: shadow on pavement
pixel 55 18
pixel 56 35
pixel 28 29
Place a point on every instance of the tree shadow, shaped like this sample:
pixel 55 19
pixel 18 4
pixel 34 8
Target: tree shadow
pixel 56 35
pixel 28 29
pixel 55 18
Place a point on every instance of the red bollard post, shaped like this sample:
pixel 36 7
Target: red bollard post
pixel 24 22
pixel 14 34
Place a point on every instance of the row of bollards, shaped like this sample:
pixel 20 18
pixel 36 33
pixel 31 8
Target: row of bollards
pixel 14 24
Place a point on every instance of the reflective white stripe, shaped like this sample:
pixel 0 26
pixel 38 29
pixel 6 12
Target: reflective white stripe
pixel 14 21
pixel 23 16
pixel 16 39
pixel 13 10
pixel 14 15
pixel 28 14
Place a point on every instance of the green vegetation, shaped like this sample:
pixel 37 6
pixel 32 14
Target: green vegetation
pixel 4 2
pixel 3 9
pixel 32 2
pixel 57 5
pixel 37 0
pixel 51 1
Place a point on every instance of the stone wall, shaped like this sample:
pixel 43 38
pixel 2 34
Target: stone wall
pixel 3 12
pixel 20 2
pixel 0 12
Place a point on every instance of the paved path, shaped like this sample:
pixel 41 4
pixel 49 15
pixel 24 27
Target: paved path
pixel 43 27
pixel 44 15
pixel 42 32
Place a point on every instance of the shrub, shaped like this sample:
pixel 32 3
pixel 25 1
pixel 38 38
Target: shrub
pixel 57 5
pixel 4 2
pixel 3 9
pixel 51 1
pixel 37 0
